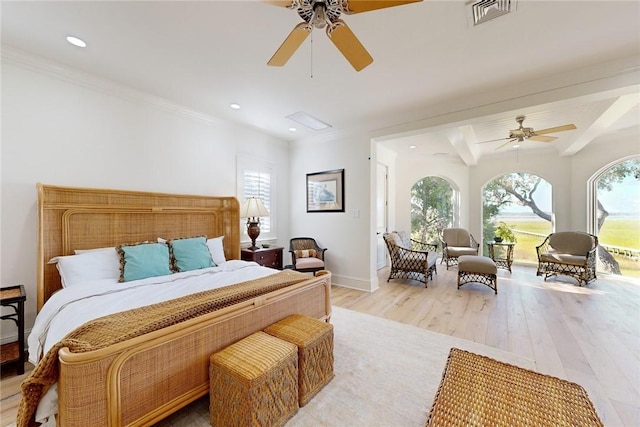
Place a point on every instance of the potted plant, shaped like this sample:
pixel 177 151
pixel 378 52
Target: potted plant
pixel 503 232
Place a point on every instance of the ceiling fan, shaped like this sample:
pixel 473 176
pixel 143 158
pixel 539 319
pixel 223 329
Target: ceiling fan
pixel 326 14
pixel 523 133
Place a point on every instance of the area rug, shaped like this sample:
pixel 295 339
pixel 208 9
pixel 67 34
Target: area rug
pixel 386 374
pixel 480 391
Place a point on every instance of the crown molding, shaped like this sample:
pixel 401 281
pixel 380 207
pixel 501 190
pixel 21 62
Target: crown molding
pixel 91 81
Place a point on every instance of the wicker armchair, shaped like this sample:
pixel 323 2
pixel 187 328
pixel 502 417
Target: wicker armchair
pixel 306 255
pixel 407 263
pixel 571 253
pixel 457 242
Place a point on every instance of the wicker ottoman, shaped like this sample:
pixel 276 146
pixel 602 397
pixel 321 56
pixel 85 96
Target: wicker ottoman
pixel 479 269
pixel 254 382
pixel 314 339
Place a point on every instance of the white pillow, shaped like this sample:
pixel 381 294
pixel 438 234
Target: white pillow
pixel 217 250
pixel 88 266
pixel 82 251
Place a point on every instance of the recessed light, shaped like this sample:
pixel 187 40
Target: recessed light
pixel 235 106
pixel 292 129
pixel 76 41
pixel 441 154
pixel 412 146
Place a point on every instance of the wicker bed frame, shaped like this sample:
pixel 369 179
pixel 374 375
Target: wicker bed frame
pixel 142 380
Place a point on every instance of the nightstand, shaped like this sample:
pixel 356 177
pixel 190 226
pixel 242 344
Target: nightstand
pixel 268 257
pixel 13 353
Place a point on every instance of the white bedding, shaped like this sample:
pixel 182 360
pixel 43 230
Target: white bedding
pixel 71 307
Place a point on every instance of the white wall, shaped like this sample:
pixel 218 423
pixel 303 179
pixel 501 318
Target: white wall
pixel 93 133
pixel 346 234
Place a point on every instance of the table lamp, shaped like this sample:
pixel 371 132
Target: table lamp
pixel 252 209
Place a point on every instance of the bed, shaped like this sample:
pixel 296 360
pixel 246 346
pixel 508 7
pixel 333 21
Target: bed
pixel 142 379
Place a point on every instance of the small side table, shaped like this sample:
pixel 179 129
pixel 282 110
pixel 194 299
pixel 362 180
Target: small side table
pixel 503 257
pixel 267 257
pixel 13 353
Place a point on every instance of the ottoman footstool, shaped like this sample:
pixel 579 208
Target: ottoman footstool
pixel 254 382
pixel 479 269
pixel 314 339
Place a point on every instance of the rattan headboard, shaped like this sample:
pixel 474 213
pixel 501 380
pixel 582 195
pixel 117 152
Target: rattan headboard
pixel 84 218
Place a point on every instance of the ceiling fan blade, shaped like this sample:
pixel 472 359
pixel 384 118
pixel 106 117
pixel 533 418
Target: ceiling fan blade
pixel 290 45
pixel 349 45
pixel 543 138
pixel 555 129
pixel 359 6
pixel 492 140
pixel 506 143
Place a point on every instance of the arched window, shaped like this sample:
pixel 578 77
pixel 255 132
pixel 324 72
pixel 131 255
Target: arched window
pixel 615 216
pixel 433 206
pixel 517 207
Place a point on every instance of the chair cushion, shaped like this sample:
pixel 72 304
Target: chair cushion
pixel 310 262
pixel 456 237
pixel 432 258
pixel 397 239
pixel 405 240
pixel 455 251
pixel 564 258
pixel 477 264
pixel 571 242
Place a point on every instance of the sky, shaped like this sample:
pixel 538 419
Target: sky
pixel 624 198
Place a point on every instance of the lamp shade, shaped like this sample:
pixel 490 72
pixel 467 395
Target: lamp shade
pixel 253 208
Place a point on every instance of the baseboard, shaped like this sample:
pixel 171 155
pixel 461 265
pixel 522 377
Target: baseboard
pixel 5 339
pixel 352 283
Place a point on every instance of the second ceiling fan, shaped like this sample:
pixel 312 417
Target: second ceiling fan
pixel 525 133
pixel 326 14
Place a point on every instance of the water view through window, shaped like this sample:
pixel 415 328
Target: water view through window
pixel 517 208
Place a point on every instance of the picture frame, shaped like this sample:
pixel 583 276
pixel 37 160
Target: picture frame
pixel 325 191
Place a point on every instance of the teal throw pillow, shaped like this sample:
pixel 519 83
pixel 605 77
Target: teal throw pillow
pixel 190 254
pixel 144 260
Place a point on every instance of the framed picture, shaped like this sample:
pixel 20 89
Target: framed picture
pixel 325 191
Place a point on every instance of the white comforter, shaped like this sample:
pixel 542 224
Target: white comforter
pixel 73 306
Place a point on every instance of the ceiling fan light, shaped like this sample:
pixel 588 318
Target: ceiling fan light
pixel 319 18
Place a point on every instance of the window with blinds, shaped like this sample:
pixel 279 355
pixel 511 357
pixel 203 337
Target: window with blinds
pixel 258 184
pixel 256 178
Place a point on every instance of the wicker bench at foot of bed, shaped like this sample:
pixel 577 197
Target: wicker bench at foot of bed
pixel 314 339
pixel 477 269
pixel 254 382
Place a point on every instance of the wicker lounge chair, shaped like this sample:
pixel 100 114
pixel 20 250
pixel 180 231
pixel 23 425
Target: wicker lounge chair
pixel 457 242
pixel 408 263
pixel 571 253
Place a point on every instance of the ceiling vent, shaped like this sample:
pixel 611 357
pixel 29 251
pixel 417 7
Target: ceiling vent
pixel 308 120
pixel 485 10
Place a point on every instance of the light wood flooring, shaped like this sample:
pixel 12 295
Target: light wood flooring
pixel 588 335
